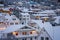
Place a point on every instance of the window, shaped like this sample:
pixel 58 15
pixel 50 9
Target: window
pixel 16 23
pixel 46 19
pixel 27 18
pixel 46 38
pixel 20 15
pixel 37 16
pixel 1 22
pixel 26 27
pixel 24 15
pixel 14 18
pixel 11 23
pixel 35 37
pixel 27 15
pixel 15 33
pixel 58 0
pixel 30 32
pixel 24 18
pixel 6 19
pixel 24 33
pixel 2 28
pixel 33 32
pixel 20 18
pixel 42 38
pixel 23 23
pixel 24 39
pixel 32 24
pixel 30 38
pixel 1 2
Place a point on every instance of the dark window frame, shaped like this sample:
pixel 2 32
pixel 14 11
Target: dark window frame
pixel 47 38
pixel 42 38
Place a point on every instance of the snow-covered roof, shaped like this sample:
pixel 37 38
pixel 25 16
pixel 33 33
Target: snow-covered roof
pixel 45 17
pixel 24 13
pixel 25 10
pixel 56 33
pixel 20 8
pixel 20 3
pixel 57 10
pixel 35 9
pixel 28 11
pixel 5 9
pixel 48 27
pixel 47 11
pixel 0 14
pixel 10 18
pixel 39 23
pixel 57 19
pixel 1 4
pixel 40 14
pixel 12 28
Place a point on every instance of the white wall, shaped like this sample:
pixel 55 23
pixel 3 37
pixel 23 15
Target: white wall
pixel 43 34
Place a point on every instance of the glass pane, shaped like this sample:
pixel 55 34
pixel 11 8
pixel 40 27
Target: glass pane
pixel 42 38
pixel 46 38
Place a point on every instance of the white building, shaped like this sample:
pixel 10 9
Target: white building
pixel 27 28
pixel 24 18
pixel 46 14
pixel 7 20
pixel 34 30
pixel 28 32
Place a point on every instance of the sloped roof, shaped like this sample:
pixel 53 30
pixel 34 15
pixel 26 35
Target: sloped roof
pixel 48 27
pixel 2 5
pixel 12 28
pixel 39 23
pixel 56 32
pixel 46 11
pixel 43 29
pixel 57 19
pixel 40 14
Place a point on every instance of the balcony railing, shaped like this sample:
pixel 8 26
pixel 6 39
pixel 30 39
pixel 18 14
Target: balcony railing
pixel 31 35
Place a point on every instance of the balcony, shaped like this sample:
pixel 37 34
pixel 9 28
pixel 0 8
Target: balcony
pixel 25 34
pixel 31 35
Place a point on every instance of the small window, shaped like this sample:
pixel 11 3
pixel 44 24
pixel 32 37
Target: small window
pixel 24 18
pixel 46 38
pixel 24 33
pixel 30 32
pixel 27 18
pixel 42 38
pixel 11 23
pixel 6 19
pixel 20 15
pixel 20 18
pixel 15 33
pixel 35 37
pixel 14 19
pixel 58 0
pixel 23 23
pixel 16 23
pixel 1 22
pixel 30 38
pixel 24 15
pixel 27 15
pixel 24 39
